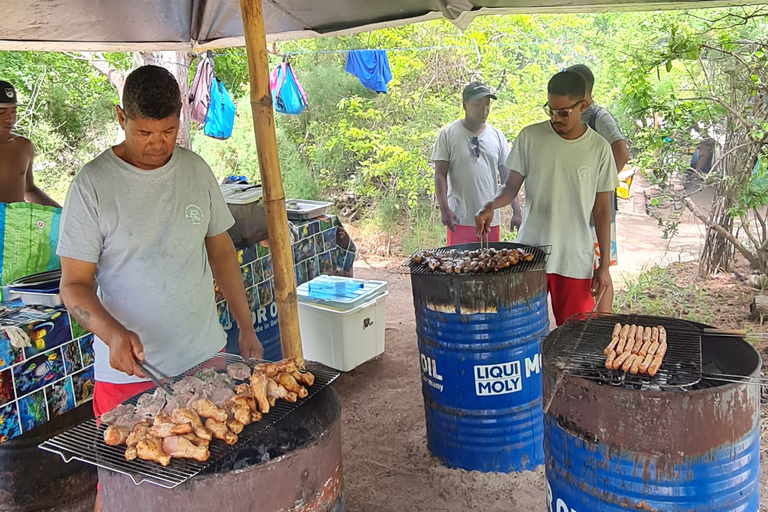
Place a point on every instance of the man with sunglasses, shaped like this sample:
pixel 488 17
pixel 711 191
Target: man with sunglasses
pixel 468 156
pixel 569 173
pixel 600 120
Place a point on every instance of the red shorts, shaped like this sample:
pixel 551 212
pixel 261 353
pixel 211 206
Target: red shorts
pixel 468 235
pixel 569 296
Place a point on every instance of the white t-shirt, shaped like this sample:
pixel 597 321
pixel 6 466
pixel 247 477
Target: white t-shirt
pixel 562 178
pixel 472 180
pixel 145 231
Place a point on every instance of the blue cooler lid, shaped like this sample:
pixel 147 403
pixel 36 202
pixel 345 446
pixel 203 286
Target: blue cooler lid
pixel 342 293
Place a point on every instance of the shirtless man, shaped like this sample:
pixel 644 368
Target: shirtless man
pixel 16 155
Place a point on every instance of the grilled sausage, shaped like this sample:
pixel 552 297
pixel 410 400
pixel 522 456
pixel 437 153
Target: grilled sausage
pixel 638 340
pixel 646 334
pixel 662 335
pixel 621 346
pixel 654 334
pixel 644 349
pixel 631 335
pixel 636 364
pixel 654 367
pixel 616 331
pixel 620 360
pixel 653 348
pixel 624 333
pixel 609 360
pixel 661 350
pixel 629 362
pixel 645 364
pixel 611 345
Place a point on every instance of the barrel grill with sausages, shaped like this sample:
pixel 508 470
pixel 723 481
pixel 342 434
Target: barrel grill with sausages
pixel 478 338
pixel 614 446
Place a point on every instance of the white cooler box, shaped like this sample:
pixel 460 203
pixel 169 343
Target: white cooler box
pixel 342 326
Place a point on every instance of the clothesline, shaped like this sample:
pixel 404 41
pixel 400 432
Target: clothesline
pixel 399 49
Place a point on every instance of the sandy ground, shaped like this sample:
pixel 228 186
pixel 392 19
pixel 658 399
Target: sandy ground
pixel 387 466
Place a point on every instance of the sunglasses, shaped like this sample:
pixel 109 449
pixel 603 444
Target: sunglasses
pixel 474 147
pixel 563 113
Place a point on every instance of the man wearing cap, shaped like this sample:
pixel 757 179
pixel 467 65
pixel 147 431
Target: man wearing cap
pixel 469 157
pixel 16 154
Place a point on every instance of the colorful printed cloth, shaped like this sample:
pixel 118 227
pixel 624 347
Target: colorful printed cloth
pixel 50 377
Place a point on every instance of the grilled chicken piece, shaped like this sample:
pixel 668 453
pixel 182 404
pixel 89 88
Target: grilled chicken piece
pixel 289 383
pixel 259 390
pixel 206 409
pixel 165 426
pixel 115 436
pixel 275 390
pixel 197 441
pixel 182 448
pixel 238 411
pixel 246 398
pixel 306 378
pixel 184 415
pixel 131 453
pixel 272 369
pixel 151 448
pixel 220 431
pixel 302 375
pixel 235 426
pixel 135 436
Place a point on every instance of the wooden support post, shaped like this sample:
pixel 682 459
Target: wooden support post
pixel 271 179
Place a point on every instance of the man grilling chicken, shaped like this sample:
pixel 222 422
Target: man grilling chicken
pixel 143 235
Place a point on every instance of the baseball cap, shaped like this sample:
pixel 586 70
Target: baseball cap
pixel 7 93
pixel 475 91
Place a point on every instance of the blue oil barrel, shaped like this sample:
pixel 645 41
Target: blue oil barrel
pixel 479 338
pixel 611 449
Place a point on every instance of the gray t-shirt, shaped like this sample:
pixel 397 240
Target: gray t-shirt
pixel 472 180
pixel 146 231
pixel 605 124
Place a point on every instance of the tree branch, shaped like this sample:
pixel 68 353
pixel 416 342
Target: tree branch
pixel 735 113
pixel 724 233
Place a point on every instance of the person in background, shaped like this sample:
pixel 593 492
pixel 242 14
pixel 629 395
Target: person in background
pixel 569 174
pixel 16 155
pixel 468 157
pixel 600 120
pixel 143 236
pixel 702 158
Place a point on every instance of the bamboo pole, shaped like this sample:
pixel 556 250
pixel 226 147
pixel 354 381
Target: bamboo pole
pixel 271 180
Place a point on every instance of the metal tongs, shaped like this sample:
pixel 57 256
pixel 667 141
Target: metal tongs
pixel 159 378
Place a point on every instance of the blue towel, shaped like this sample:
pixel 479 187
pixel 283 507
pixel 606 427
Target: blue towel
pixel 371 67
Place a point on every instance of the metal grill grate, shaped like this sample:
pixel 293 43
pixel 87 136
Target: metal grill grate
pixel 577 348
pixel 539 262
pixel 85 442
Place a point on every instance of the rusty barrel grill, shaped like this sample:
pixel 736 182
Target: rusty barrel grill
pixel 479 337
pixel 686 439
pixel 289 461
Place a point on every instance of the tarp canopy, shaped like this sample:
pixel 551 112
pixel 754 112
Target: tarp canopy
pixel 135 25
